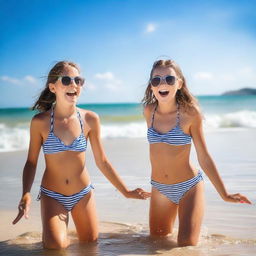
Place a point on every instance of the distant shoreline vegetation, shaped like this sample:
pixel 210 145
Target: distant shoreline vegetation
pixel 243 91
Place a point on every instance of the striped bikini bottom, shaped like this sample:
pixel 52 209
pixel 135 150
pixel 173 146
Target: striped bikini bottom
pixel 175 192
pixel 67 201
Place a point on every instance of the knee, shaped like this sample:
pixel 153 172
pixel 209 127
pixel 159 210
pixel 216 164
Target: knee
pixel 54 244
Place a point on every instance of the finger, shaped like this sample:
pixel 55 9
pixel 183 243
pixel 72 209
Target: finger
pixel 245 200
pixel 19 216
pixel 139 195
pixel 145 195
pixel 26 211
pixel 235 197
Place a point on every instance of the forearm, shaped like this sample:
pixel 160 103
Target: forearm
pixel 110 173
pixel 28 177
pixel 211 171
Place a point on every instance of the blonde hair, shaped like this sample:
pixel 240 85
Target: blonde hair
pixel 183 97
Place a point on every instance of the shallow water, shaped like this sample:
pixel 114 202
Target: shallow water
pixel 228 229
pixel 120 239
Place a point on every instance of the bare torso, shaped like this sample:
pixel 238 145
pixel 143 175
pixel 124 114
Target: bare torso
pixel 65 172
pixel 170 163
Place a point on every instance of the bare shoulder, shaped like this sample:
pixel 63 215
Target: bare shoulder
pixel 148 109
pixel 91 118
pixel 40 124
pixel 41 119
pixel 192 114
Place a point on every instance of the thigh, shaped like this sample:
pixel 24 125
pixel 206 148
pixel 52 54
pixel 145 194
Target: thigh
pixel 54 221
pixel 191 210
pixel 85 218
pixel 162 214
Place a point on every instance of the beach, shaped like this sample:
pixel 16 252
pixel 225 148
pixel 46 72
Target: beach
pixel 227 227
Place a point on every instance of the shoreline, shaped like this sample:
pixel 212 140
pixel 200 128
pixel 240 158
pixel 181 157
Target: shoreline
pixel 221 218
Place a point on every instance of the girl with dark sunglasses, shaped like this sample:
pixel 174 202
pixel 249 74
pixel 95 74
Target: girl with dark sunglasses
pixel 62 130
pixel 174 120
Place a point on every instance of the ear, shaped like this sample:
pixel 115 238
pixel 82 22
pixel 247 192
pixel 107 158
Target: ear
pixel 180 83
pixel 51 87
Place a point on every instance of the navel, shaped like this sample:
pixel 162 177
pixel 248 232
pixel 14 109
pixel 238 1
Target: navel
pixel 67 181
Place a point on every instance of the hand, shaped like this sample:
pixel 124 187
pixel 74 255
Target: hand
pixel 237 198
pixel 23 208
pixel 138 193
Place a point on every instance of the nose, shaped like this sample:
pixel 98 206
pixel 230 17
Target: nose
pixel 73 83
pixel 162 81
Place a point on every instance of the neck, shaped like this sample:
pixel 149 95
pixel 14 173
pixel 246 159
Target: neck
pixel 167 107
pixel 64 111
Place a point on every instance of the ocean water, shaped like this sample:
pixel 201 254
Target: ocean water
pixel 228 229
pixel 126 120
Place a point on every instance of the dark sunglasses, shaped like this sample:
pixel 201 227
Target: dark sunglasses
pixel 155 81
pixel 66 80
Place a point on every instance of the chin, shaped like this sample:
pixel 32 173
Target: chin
pixel 164 100
pixel 71 101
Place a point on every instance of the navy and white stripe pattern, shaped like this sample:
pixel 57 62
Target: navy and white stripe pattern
pixel 67 201
pixel 175 192
pixel 53 144
pixel 175 136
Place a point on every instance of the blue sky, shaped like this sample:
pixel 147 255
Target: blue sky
pixel 116 42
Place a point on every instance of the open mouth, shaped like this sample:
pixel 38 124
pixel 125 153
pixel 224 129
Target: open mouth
pixel 163 93
pixel 71 93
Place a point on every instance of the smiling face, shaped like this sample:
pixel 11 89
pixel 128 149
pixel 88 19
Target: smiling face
pixel 70 93
pixel 164 92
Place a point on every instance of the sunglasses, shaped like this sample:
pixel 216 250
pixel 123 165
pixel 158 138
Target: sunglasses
pixel 66 80
pixel 156 81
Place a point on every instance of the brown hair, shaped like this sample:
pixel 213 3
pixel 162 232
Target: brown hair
pixel 47 98
pixel 183 97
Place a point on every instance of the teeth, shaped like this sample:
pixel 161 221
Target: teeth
pixel 163 91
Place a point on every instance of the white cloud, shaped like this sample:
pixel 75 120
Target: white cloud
pixel 30 79
pixel 228 77
pixel 203 76
pixel 109 80
pixel 248 73
pixel 90 86
pixel 105 76
pixel 12 80
pixel 232 79
pixel 150 28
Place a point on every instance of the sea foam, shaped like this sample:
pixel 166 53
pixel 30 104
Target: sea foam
pixel 13 138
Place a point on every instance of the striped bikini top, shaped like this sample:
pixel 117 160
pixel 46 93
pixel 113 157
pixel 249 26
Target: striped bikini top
pixel 54 144
pixel 175 136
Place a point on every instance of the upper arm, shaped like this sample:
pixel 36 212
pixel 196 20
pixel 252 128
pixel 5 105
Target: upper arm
pixel 35 140
pixel 198 135
pixel 95 137
pixel 147 112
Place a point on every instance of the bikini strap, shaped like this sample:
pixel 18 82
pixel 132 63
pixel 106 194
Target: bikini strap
pixel 80 120
pixel 52 120
pixel 153 116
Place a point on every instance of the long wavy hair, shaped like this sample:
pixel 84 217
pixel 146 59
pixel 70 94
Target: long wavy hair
pixel 183 97
pixel 46 98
